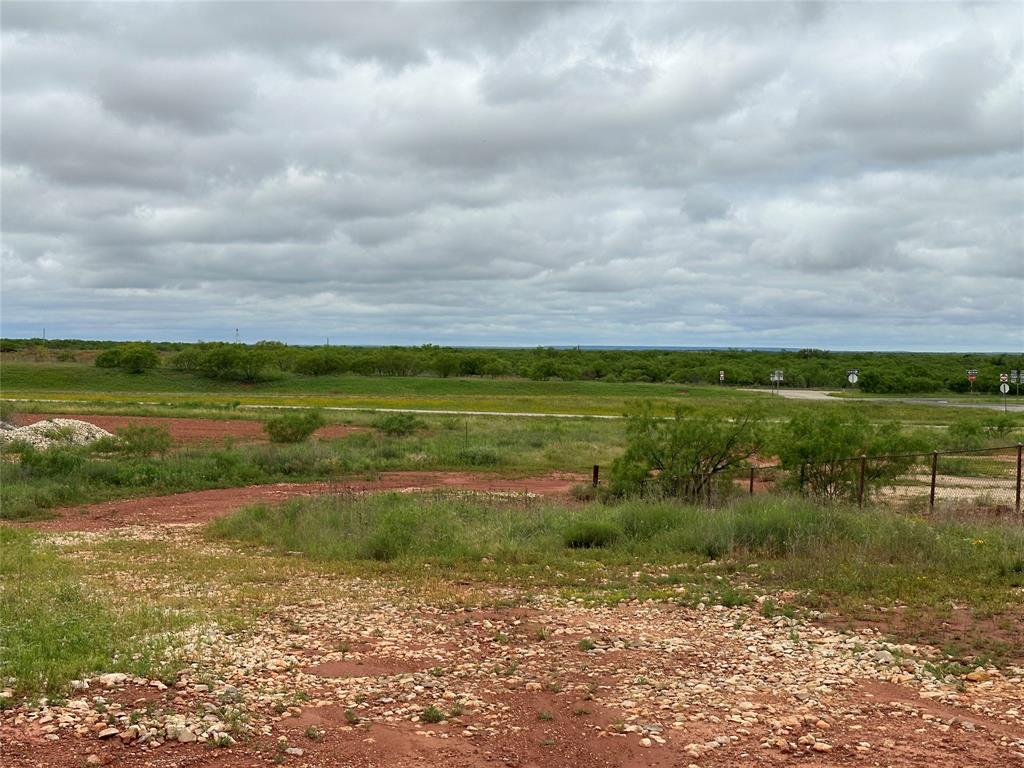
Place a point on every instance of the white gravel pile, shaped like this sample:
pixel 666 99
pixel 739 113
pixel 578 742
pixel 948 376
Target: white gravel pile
pixel 54 432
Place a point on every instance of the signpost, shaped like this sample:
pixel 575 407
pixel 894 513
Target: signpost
pixel 852 375
pixel 1015 378
pixel 721 377
pixel 1004 388
pixel 776 379
pixel 972 375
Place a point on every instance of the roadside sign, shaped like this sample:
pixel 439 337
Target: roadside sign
pixel 1004 387
pixel 721 375
pixel 852 378
pixel 1013 376
pixel 1004 377
pixel 972 377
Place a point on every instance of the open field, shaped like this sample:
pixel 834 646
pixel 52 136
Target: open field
pixel 491 640
pixel 82 384
pixel 447 591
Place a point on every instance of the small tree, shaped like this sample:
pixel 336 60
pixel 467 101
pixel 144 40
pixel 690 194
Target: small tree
pixel 293 426
pixel 108 358
pixel 821 449
pixel 685 456
pixel 136 358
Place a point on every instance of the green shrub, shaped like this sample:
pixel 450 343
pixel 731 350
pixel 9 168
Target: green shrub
pixel 108 358
pixel 398 424
pixel 479 456
pixel 686 457
pixel 136 358
pixel 293 426
pixel 818 448
pixel 590 534
pixel 142 440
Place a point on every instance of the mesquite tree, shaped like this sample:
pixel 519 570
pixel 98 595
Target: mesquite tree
pixel 686 456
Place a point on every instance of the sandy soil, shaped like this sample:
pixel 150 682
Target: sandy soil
pixel 187 430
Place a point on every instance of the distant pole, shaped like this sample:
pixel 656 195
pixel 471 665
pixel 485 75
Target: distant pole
pixel 236 336
pixel 751 481
pixel 597 472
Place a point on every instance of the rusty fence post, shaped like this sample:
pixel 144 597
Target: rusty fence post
pixel 1020 448
pixel 860 484
pixel 752 481
pixel 597 473
pixel 931 493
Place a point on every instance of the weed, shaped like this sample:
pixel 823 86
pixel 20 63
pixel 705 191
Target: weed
pixel 431 715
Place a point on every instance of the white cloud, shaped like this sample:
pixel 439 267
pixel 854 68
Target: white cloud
pixel 775 174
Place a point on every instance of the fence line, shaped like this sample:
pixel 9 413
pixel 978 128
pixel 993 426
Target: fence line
pixel 980 477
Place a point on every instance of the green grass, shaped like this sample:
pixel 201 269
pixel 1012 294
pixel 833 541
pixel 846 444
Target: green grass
pixel 53 630
pixel 97 387
pixel 847 560
pixel 39 481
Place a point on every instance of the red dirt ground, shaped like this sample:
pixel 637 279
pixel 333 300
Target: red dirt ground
pixel 185 430
pixel 202 506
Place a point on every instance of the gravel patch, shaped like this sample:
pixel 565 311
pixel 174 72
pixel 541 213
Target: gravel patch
pixel 53 432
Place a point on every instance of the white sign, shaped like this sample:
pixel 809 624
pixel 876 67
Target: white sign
pixel 1004 387
pixel 721 375
pixel 852 378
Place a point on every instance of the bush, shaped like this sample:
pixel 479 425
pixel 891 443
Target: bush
pixel 294 426
pixel 108 358
pixel 136 358
pixel 683 457
pixel 479 456
pixel 132 358
pixel 142 440
pixel 398 424
pixel 590 534
pixel 821 448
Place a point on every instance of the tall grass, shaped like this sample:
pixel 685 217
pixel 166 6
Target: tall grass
pixel 52 630
pixel 790 533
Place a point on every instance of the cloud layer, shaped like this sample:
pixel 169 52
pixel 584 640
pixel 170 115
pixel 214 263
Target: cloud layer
pixel 762 174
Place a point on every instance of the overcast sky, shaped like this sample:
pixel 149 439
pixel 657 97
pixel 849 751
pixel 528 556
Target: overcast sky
pixel 768 174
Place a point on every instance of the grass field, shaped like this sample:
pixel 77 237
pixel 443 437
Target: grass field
pixel 912 578
pixel 115 389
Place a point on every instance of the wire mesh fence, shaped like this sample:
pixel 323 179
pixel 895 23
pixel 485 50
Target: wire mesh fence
pixel 986 480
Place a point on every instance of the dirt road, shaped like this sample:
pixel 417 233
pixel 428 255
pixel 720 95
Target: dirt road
pixel 203 506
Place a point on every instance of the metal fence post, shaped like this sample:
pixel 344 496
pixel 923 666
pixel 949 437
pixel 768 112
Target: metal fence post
pixel 1020 448
pixel 931 494
pixel 597 472
pixel 860 485
pixel 803 475
pixel 752 481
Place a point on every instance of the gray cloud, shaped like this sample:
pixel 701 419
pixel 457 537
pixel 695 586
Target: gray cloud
pixel 742 174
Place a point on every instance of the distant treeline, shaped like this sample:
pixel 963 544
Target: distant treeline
pixel 881 372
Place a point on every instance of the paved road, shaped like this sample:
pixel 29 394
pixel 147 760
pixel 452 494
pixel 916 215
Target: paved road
pixel 820 394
